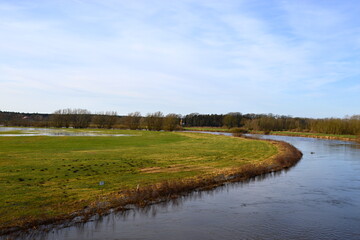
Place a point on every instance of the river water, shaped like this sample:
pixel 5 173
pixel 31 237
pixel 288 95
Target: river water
pixel 319 198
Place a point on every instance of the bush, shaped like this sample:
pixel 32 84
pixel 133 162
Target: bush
pixel 171 122
pixel 238 132
pixel 267 132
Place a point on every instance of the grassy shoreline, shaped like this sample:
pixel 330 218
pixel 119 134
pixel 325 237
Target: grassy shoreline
pixel 57 177
pixel 316 135
pixel 283 133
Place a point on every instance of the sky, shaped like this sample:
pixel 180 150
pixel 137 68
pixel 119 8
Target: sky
pixel 287 57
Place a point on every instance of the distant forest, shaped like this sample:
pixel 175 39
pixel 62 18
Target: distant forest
pixel 82 118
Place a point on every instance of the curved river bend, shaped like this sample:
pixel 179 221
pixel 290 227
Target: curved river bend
pixel 319 198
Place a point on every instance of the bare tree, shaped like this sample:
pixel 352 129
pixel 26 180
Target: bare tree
pixel 132 120
pixel 111 119
pixel 99 119
pixel 62 118
pixel 155 121
pixel 105 120
pixel 171 122
pixel 56 119
pixel 81 118
pixel 77 118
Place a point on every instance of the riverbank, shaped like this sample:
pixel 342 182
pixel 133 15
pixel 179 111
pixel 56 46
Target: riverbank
pixel 317 135
pixel 283 133
pixel 58 178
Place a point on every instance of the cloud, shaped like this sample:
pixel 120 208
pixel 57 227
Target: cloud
pixel 178 56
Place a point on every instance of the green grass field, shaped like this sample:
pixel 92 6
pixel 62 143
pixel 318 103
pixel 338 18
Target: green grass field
pixel 43 176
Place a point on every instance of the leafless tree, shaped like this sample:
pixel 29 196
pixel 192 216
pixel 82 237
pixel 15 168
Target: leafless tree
pixel 81 118
pixel 77 118
pixel 132 120
pixel 111 119
pixel 171 122
pixel 155 121
pixel 62 118
pixel 99 120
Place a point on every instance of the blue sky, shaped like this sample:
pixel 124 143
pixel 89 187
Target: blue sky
pixel 299 58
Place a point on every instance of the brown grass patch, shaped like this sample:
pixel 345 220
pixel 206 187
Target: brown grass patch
pixel 174 168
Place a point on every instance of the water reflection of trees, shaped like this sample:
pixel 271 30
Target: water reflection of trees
pixel 151 210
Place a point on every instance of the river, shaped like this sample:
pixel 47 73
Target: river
pixel 319 198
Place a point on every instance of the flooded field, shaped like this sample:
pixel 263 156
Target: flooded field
pixel 29 132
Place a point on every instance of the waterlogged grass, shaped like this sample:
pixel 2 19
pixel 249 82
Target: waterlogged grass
pixel 42 176
pixel 12 132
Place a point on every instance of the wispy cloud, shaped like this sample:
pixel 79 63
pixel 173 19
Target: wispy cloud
pixel 187 56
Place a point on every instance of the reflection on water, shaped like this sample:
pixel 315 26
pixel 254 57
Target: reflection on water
pixel 5 129
pixel 97 223
pixel 29 132
pixel 317 199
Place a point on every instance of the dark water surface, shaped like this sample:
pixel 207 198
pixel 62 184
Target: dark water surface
pixel 319 198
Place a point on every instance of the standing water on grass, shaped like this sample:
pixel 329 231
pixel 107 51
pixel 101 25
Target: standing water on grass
pixel 319 198
pixel 52 132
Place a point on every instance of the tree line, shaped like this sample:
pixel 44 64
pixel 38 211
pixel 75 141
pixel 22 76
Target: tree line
pixel 270 122
pixel 82 118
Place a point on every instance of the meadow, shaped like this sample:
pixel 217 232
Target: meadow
pixel 48 176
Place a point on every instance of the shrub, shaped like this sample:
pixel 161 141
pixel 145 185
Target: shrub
pixel 267 132
pixel 238 132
